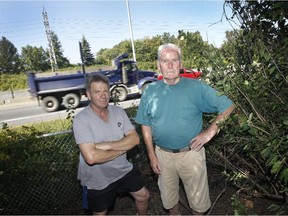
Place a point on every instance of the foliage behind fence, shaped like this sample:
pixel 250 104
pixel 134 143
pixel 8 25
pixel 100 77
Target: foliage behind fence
pixel 38 175
pixel 38 172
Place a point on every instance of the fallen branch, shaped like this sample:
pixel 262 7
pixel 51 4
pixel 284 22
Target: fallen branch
pixel 218 197
pixel 248 177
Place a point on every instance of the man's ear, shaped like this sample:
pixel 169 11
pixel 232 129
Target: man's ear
pixel 158 66
pixel 88 95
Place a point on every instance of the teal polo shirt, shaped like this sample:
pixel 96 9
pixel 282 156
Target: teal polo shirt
pixel 174 112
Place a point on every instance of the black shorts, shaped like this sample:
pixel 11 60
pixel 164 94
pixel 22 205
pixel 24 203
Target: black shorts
pixel 101 200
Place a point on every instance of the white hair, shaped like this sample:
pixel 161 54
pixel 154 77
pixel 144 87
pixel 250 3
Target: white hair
pixel 168 46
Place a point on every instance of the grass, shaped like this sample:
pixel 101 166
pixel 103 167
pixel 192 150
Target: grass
pixel 42 127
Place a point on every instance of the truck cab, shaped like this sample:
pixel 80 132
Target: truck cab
pixel 127 79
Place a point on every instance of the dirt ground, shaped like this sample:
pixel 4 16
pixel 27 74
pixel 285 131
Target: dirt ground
pixel 220 193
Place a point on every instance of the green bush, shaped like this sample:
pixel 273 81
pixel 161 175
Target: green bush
pixel 19 81
pixel 13 81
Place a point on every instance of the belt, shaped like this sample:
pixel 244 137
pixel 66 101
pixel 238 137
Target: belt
pixel 188 148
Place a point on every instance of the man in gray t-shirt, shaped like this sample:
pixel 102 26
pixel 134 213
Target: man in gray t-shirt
pixel 104 134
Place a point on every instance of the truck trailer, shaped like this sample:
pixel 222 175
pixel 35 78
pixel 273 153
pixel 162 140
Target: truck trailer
pixel 67 90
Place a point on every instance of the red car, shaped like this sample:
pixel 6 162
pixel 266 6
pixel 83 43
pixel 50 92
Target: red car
pixel 186 72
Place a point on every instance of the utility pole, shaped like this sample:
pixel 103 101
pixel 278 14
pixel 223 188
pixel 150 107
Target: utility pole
pixel 52 55
pixel 131 31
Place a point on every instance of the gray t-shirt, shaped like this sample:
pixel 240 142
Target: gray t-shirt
pixel 89 128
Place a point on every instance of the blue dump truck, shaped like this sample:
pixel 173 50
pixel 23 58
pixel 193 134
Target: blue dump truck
pixel 67 90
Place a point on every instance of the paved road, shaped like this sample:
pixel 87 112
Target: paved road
pixel 27 111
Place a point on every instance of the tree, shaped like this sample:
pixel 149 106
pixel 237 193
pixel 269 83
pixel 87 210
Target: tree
pixel 146 49
pixel 167 38
pixel 232 47
pixel 195 52
pixel 100 59
pixel 105 56
pixel 9 58
pixel 88 57
pixel 255 77
pixel 34 58
pixel 62 61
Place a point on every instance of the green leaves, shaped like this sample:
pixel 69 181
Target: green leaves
pixel 256 62
pixel 277 166
pixel 285 122
pixel 34 59
pixel 88 57
pixel 9 57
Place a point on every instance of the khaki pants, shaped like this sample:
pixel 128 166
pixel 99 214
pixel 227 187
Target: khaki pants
pixel 190 166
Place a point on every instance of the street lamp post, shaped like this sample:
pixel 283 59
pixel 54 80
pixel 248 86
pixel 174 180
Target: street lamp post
pixel 131 31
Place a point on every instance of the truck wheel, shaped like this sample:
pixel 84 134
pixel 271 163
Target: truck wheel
pixel 50 104
pixel 119 94
pixel 71 100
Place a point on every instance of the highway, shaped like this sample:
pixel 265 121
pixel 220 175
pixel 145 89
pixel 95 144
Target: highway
pixel 29 112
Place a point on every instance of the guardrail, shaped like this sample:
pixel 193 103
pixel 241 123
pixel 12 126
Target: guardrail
pixel 8 96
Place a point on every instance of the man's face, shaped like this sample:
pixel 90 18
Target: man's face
pixel 169 64
pixel 99 95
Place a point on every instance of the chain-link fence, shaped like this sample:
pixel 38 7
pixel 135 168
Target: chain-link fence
pixel 44 181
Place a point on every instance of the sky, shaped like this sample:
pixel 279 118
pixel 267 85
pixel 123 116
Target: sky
pixel 106 23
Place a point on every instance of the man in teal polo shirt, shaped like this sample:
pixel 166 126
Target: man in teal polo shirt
pixel 170 113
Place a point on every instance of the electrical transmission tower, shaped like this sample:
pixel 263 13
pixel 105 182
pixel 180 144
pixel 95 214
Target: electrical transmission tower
pixel 52 56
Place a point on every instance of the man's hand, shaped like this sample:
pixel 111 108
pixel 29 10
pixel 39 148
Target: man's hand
pixel 200 140
pixel 154 163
